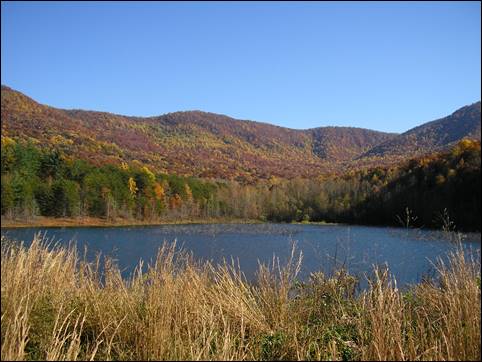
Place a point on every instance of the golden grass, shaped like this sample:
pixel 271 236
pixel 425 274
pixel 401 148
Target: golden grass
pixel 55 306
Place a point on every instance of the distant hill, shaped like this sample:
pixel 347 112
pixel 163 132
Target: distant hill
pixel 216 146
pixel 432 136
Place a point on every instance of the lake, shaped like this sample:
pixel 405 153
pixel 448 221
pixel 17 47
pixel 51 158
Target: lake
pixel 407 252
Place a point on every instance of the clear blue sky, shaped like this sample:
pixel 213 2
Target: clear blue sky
pixel 385 66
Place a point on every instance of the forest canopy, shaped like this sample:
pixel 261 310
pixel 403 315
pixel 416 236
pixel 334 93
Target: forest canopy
pixel 425 191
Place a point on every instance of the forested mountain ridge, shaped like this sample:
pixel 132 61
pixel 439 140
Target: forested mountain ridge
pixel 202 144
pixel 433 136
pixel 187 143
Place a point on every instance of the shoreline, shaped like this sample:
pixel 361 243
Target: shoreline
pixel 41 221
pixel 98 222
pixel 92 222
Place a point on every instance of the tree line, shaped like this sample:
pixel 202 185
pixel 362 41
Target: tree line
pixel 429 191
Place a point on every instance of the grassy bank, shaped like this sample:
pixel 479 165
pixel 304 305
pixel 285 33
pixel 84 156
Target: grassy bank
pixel 55 306
pixel 42 221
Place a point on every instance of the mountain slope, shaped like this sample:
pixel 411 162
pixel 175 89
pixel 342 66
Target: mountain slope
pixel 432 136
pixel 188 143
pixel 212 145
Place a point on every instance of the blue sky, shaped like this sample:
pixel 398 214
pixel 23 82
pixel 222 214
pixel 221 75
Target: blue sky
pixel 385 66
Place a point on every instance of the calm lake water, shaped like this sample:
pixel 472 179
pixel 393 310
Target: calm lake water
pixel 408 253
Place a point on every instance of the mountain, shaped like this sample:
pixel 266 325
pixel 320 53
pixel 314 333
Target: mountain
pixel 212 145
pixel 188 143
pixel 432 136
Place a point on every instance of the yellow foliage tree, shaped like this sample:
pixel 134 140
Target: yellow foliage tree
pixel 464 145
pixel 188 192
pixel 175 201
pixel 132 186
pixel 7 141
pixel 273 180
pixel 149 173
pixel 158 191
pixel 439 179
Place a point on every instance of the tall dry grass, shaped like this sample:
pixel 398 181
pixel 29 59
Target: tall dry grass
pixel 55 306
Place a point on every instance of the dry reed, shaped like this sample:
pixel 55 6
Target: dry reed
pixel 56 306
